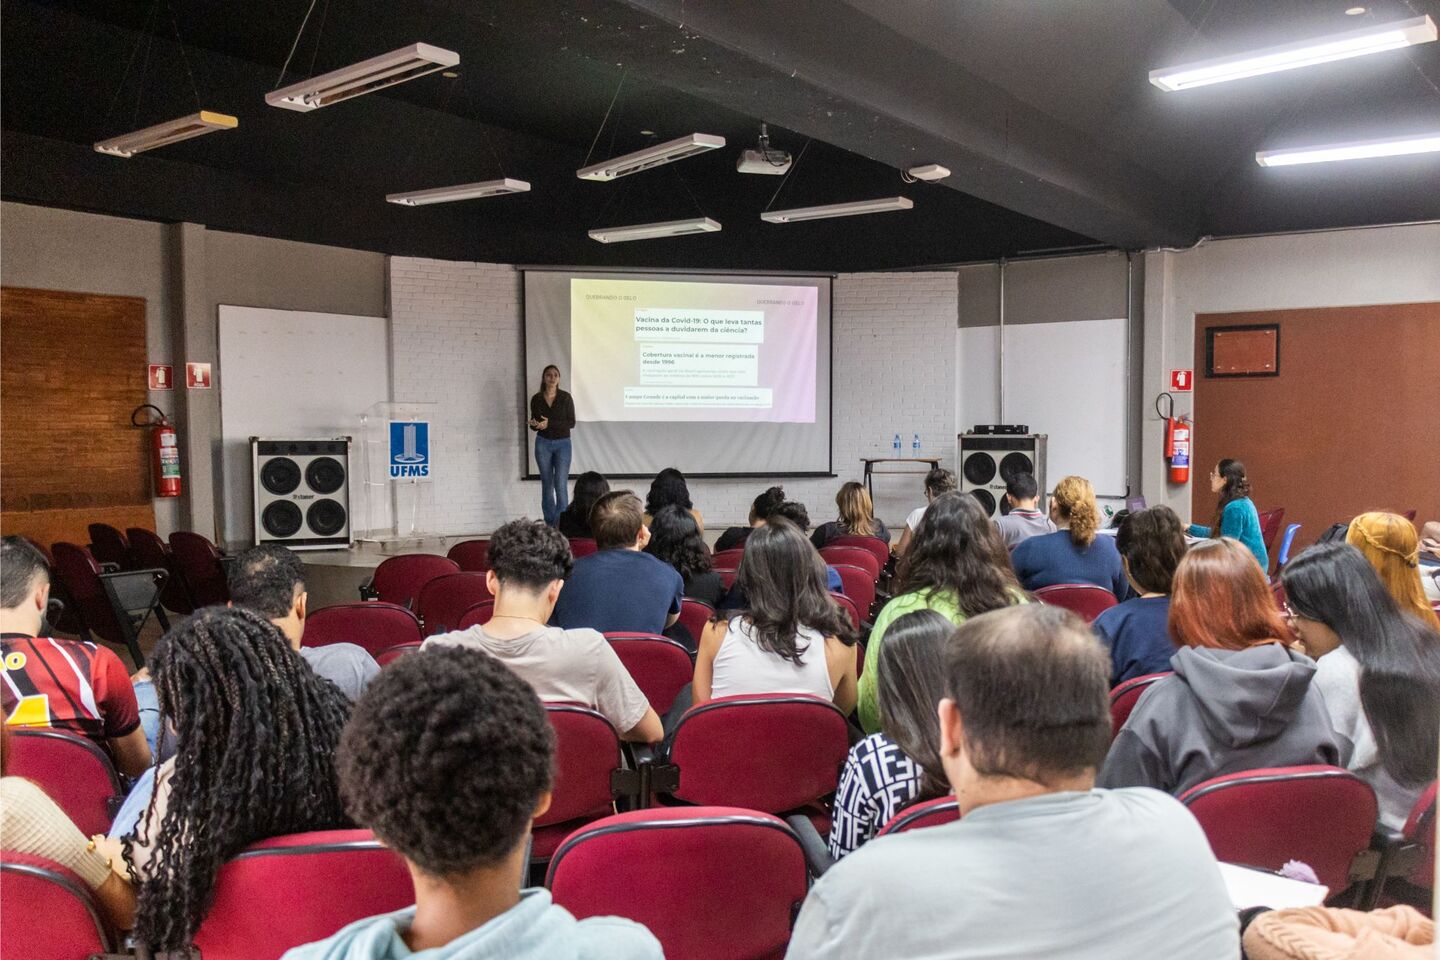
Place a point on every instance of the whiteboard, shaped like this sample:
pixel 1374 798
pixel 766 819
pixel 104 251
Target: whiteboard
pixel 290 373
pixel 1064 379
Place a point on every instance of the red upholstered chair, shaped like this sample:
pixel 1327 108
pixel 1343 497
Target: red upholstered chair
pixel 50 914
pixel 74 771
pixel 583 547
pixel 1126 694
pixel 587 756
pixel 727 577
pixel 1420 831
pixel 386 657
pixel 477 614
pixel 444 600
pixel 712 883
pixel 374 625
pixel 853 557
pixel 299 888
pixel 1271 523
pixel 930 813
pixel 849 607
pixel 108 545
pixel 859 586
pixel 471 555
pixel 659 666
pixel 103 602
pixel 1406 873
pixel 148 551
pixel 1410 514
pixel 399 579
pixel 729 559
pixel 1316 814
pixel 694 614
pixel 197 561
pixel 878 548
pixel 1084 599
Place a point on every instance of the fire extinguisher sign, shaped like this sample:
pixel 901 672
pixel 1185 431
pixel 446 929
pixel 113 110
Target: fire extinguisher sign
pixel 1182 381
pixel 409 450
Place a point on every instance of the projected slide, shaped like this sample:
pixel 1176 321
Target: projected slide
pixel 647 350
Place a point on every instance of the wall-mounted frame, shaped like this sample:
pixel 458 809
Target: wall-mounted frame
pixel 1247 350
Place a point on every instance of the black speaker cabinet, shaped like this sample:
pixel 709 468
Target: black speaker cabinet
pixel 302 492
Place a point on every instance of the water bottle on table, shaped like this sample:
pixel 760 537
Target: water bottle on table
pixel 895 447
pixel 915 447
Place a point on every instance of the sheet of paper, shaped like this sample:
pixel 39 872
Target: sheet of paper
pixel 1257 888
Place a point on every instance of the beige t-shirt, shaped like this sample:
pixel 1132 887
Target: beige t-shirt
pixel 577 666
pixel 30 822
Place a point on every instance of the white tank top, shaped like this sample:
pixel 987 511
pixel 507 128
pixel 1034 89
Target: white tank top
pixel 741 667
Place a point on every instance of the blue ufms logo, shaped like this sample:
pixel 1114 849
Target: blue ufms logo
pixel 409 449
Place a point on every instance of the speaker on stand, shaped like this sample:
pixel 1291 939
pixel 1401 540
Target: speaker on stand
pixel 992 454
pixel 302 492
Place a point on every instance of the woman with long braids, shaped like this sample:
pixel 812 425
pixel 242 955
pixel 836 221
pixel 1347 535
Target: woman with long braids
pixel 256 733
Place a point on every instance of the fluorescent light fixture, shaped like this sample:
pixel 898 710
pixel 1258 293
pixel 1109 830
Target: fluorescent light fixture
pixel 651 157
pixel 649 231
pixel 386 70
pixel 1358 150
pixel 461 191
pixel 837 210
pixel 1336 46
pixel 162 134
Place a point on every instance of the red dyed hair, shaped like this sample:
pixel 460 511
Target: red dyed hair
pixel 1220 599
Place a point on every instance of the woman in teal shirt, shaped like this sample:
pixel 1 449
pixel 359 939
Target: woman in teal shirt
pixel 1235 514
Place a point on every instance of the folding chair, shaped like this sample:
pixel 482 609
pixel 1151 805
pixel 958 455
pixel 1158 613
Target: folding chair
pixel 859 586
pixel 1406 867
pixel 660 667
pixel 147 550
pixel 197 561
pixel 74 771
pixel 387 657
pixel 590 776
pixel 853 557
pixel 729 559
pixel 471 555
pixel 50 913
pixel 929 813
pixel 443 600
pixel 112 606
pixel 1126 694
pixel 849 607
pixel 374 625
pixel 478 614
pixel 583 547
pixel 878 548
pixel 398 579
pixel 108 545
pixel 1083 599
pixel 1285 543
pixel 694 614
pixel 1271 522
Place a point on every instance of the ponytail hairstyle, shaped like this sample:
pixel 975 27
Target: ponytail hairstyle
pixel 1237 486
pixel 1075 500
pixel 765 504
pixel 1390 543
pixel 857 513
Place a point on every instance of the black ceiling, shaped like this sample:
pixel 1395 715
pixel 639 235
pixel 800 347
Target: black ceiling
pixel 1041 109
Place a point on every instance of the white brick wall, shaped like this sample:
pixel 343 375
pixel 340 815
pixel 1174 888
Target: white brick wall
pixel 457 333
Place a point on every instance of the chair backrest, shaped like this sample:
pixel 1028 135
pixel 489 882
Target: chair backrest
pixel 50 914
pixel 849 607
pixel 1084 599
pixel 587 749
pixel 374 625
pixel 471 555
pixel 727 576
pixel 148 550
pixel 771 752
pixel 78 572
pixel 108 545
pixel 1316 814
pixel 878 548
pixel 729 559
pixel 478 613
pixel 1285 543
pixel 339 876
pixel 1410 514
pixel 694 614
pixel 583 547
pixel 930 813
pixel 1126 694
pixel 659 666
pixel 386 657
pixel 72 770
pixel 712 883
pixel 1270 524
pixel 1420 830
pixel 197 561
pixel 854 557
pixel 399 579
pixel 858 585
pixel 444 600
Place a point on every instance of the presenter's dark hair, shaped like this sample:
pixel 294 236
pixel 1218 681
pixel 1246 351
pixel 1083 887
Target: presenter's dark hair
pixel 1152 541
pixel 616 519
pixel 784 581
pixel 266 579
pixel 765 504
pixel 675 538
pixel 957 551
pixel 589 487
pixel 1237 486
pixel 21 564
pixel 668 487
pixel 529 554
pixel 794 511
pixel 1022 486
pixel 446 758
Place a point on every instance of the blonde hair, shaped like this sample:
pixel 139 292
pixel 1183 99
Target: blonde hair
pixel 1075 499
pixel 857 512
pixel 1390 543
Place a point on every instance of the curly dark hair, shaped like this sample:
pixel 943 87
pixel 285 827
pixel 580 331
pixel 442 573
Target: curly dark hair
pixel 530 554
pixel 265 578
pixel 446 758
pixel 668 487
pixel 795 512
pixel 765 504
pixel 1152 541
pixel 783 578
pixel 675 538
pixel 256 733
pixel 957 550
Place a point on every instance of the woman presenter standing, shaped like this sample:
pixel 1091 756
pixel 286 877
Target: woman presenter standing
pixel 552 416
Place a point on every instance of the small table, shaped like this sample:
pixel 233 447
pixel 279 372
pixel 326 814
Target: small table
pixel 870 470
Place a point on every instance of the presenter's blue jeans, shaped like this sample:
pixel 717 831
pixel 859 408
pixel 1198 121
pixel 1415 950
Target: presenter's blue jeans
pixel 553 459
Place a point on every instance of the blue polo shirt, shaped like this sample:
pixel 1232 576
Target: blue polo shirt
pixel 619 591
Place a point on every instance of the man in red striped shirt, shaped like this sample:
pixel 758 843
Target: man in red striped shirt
pixel 69 685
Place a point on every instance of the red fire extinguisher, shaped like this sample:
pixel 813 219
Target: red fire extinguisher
pixel 164 451
pixel 1177 440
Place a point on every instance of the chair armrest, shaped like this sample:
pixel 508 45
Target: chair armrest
pixel 817 852
pixel 368 591
pixel 109 567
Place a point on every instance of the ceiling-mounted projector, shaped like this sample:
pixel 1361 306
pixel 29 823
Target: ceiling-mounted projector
pixel 762 159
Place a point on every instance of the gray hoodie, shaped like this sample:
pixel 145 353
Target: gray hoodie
pixel 1224 711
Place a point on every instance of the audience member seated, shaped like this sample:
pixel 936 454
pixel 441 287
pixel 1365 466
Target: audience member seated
pixel 574 521
pixel 937 481
pixel 1039 864
pixel 857 517
pixel 1025 519
pixel 460 818
pixel 69 685
pixel 800 517
pixel 1073 553
pixel 760 510
pixel 792 638
pixel 890 770
pixel 620 588
pixel 1390 543
pixel 32 823
pixel 270 580
pixel 667 488
pixel 675 539
pixel 528 566
pixel 956 566
pixel 1379 671
pixel 1151 543
pixel 1240 699
pixel 1235 513
pixel 255 758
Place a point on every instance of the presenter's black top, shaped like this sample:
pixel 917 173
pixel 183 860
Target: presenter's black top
pixel 561 414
